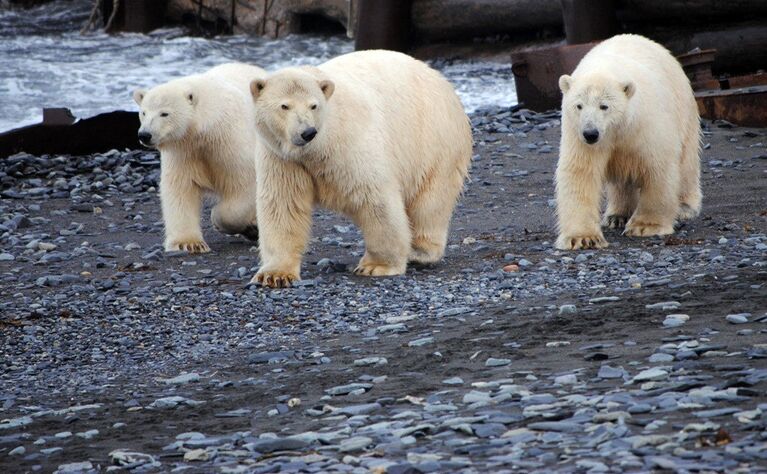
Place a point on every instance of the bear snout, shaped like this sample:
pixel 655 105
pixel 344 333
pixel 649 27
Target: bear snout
pixel 309 134
pixel 591 136
pixel 145 138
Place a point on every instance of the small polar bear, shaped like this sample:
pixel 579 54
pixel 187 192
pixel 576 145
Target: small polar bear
pixel 203 126
pixel 630 121
pixel 375 135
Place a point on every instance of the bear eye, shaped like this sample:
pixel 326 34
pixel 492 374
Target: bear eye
pixel 164 114
pixel 313 107
pixel 579 106
pixel 603 107
pixel 284 106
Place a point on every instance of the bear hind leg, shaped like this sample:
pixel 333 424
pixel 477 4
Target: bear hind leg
pixel 430 215
pixel 386 232
pixel 622 199
pixel 236 216
pixel 658 204
pixel 690 195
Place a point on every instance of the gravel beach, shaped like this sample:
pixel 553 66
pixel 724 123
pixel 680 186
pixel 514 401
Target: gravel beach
pixel 508 356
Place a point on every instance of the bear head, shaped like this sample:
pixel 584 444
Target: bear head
pixel 166 113
pixel 290 108
pixel 595 105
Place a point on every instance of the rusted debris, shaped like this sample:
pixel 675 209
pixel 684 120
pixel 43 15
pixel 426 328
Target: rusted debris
pixel 739 99
pixel 536 73
pixel 61 133
pixel 743 106
pixel 697 65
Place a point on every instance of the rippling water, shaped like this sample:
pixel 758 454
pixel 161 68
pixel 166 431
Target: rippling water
pixel 46 62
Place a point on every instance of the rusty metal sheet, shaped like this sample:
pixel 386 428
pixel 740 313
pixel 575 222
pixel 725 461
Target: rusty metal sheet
pixel 743 106
pixel 536 73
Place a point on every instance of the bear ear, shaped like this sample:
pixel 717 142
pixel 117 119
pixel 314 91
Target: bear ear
pixel 256 87
pixel 191 97
pixel 628 88
pixel 328 87
pixel 138 95
pixel 565 82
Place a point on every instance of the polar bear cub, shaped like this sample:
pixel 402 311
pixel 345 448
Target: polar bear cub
pixel 375 135
pixel 203 126
pixel 630 122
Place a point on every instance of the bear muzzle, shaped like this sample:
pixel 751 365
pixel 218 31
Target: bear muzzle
pixel 591 136
pixel 145 138
pixel 306 136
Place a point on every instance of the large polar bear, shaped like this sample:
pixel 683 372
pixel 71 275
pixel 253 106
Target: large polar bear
pixel 203 126
pixel 375 135
pixel 629 119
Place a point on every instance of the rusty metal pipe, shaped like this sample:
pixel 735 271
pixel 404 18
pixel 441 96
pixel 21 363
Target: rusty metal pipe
pixel 589 20
pixel 383 24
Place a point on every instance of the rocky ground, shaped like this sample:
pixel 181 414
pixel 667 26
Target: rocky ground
pixel 509 355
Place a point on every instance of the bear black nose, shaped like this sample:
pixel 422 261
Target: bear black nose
pixel 309 134
pixel 145 137
pixel 591 136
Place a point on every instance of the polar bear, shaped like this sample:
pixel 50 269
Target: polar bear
pixel 375 135
pixel 630 121
pixel 203 126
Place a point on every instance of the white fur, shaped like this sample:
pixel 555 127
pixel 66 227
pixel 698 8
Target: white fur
pixel 392 152
pixel 648 148
pixel 206 146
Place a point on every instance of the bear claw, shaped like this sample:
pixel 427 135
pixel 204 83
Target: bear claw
pixel 643 229
pixel 275 279
pixel 191 247
pixel 373 269
pixel 585 242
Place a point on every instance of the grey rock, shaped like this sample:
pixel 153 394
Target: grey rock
pixel 270 357
pixel 453 381
pixel 167 403
pixel 356 443
pixel 183 379
pixel 346 389
pixel 608 372
pixel 75 468
pixel 604 299
pixel 493 362
pixel 421 342
pixel 17 451
pixel 354 410
pixel 268 445
pixel 367 361
pixel 740 318
pixel 556 426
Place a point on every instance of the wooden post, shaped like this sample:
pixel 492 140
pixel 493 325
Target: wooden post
pixel 589 20
pixel 383 24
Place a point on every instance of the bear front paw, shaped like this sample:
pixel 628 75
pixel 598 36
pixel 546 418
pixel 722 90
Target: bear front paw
pixel 576 242
pixel 191 246
pixel 275 278
pixel 643 228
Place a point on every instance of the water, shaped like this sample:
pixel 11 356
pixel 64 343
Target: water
pixel 46 62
